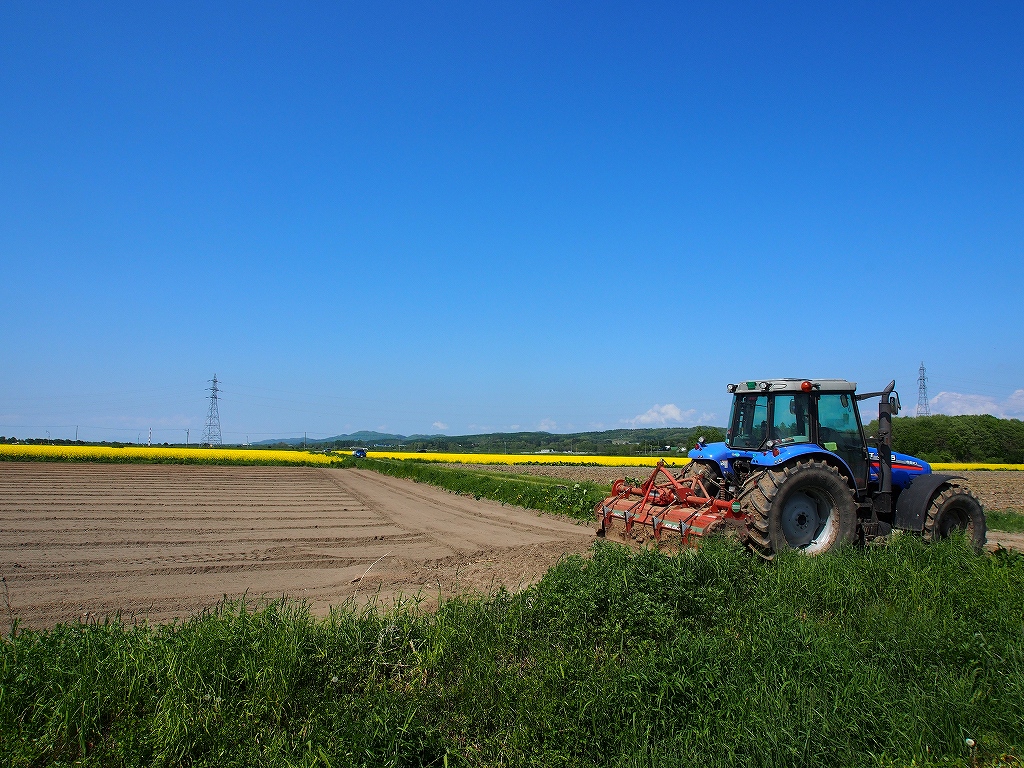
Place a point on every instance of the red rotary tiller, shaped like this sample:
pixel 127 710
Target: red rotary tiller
pixel 680 505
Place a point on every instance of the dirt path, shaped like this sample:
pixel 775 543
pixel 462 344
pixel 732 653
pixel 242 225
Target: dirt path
pixel 164 541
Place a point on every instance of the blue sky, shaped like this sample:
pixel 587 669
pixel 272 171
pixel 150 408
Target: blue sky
pixel 468 217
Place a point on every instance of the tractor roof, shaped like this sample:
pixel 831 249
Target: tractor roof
pixel 793 385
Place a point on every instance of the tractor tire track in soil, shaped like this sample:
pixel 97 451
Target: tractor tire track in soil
pixel 164 541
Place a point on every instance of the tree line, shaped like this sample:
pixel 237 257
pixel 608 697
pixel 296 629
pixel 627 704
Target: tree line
pixel 984 439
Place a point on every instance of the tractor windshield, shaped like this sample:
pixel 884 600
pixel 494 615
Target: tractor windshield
pixel 748 425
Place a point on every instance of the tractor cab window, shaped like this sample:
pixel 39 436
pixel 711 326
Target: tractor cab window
pixel 791 421
pixel 839 432
pixel 748 427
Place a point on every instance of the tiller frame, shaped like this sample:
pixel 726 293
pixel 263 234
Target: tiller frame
pixel 680 505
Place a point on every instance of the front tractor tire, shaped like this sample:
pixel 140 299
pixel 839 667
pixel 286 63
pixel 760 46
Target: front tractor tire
pixel 807 506
pixel 955 508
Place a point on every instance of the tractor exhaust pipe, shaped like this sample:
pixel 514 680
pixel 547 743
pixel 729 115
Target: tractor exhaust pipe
pixel 888 406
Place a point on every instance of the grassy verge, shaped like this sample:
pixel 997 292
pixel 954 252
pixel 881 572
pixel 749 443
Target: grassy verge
pixel 887 656
pixel 1005 520
pixel 546 494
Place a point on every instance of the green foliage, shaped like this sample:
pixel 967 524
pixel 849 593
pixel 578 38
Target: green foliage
pixel 983 439
pixel 890 655
pixel 1009 521
pixel 542 493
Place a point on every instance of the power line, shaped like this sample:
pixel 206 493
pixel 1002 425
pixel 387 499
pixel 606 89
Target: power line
pixel 211 432
pixel 922 392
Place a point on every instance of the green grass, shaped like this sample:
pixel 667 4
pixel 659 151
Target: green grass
pixel 887 656
pixel 1007 520
pixel 546 494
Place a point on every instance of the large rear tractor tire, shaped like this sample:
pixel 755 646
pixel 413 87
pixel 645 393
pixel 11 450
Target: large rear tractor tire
pixel 707 475
pixel 806 506
pixel 956 508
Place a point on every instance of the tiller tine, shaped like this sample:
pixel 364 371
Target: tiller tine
pixel 666 503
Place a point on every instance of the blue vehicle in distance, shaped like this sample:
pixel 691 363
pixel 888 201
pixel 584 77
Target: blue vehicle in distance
pixel 798 467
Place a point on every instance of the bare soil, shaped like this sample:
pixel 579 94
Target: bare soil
pixel 164 541
pixel 1002 490
pixel 81 541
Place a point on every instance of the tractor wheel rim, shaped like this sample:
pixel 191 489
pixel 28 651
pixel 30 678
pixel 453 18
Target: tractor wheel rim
pixel 954 520
pixel 806 520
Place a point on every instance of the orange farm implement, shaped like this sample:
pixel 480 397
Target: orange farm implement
pixel 668 504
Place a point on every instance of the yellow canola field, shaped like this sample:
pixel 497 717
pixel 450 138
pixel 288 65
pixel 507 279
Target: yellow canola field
pixel 250 456
pixel 532 458
pixel 146 453
pixel 607 461
pixel 954 467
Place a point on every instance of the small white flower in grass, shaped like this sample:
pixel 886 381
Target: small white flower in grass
pixel 969 742
pixel 334 678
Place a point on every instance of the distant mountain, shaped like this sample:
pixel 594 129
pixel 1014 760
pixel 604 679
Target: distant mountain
pixel 651 441
pixel 363 436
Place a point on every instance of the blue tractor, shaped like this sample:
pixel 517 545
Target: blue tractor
pixel 800 474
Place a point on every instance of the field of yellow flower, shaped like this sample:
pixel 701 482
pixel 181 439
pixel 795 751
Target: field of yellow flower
pixel 961 467
pixel 605 461
pixel 249 456
pixel 131 454
pixel 142 454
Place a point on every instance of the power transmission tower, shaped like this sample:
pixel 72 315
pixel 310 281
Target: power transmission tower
pixel 922 393
pixel 211 432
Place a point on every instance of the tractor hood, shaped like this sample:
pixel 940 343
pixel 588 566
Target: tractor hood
pixel 904 468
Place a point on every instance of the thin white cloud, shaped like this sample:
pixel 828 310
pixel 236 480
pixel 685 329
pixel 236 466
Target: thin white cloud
pixel 662 415
pixel 439 425
pixel 958 403
pixel 547 425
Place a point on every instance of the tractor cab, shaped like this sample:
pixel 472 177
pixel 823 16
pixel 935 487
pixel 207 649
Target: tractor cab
pixel 794 416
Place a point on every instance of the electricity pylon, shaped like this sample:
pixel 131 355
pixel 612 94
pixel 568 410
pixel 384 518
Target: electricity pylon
pixel 211 432
pixel 922 393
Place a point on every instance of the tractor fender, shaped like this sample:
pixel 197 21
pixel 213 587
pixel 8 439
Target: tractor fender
pixel 912 503
pixel 788 453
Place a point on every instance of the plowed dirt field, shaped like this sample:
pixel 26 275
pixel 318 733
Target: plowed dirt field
pixel 163 541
